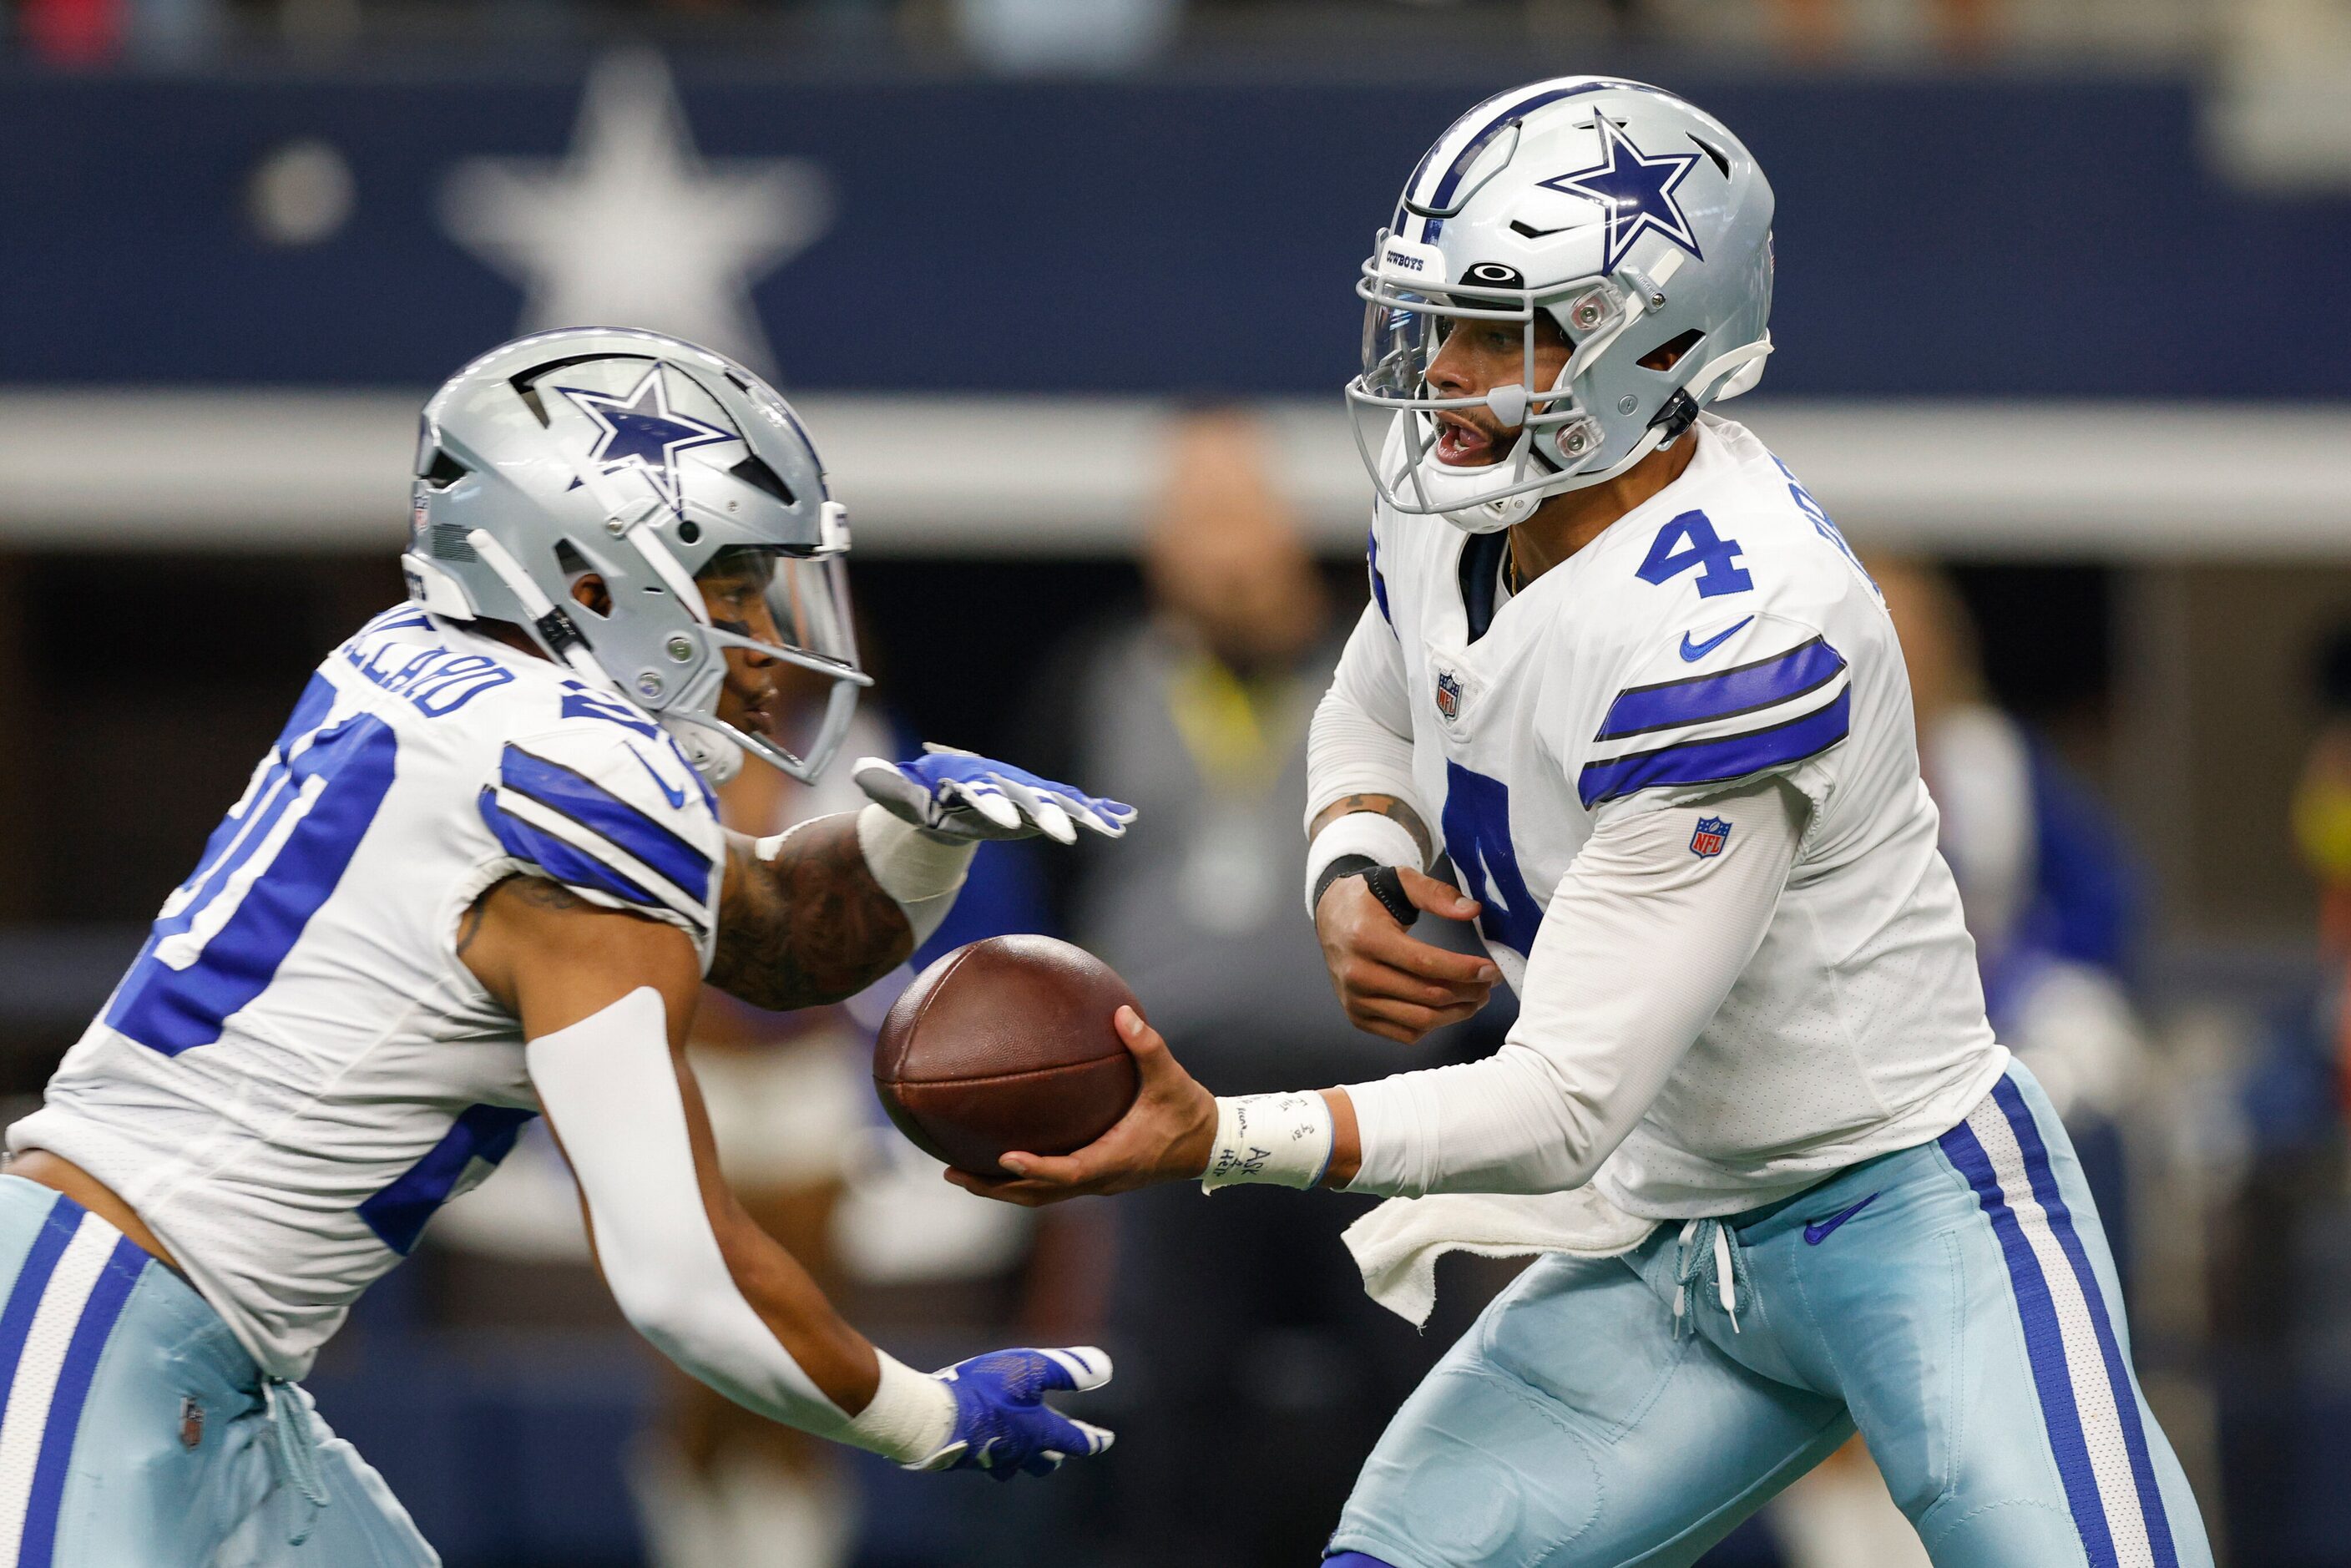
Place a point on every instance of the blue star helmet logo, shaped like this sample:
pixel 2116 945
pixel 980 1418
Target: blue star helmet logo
pixel 1637 189
pixel 640 433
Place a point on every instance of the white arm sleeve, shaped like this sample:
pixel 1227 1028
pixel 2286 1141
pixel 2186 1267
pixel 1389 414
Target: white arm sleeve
pixel 610 1089
pixel 1643 940
pixel 1361 740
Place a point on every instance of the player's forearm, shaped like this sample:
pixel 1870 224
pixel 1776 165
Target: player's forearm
pixel 1352 755
pixel 1507 1123
pixel 842 1361
pixel 1346 1141
pixel 806 922
pixel 688 1268
pixel 1360 742
pixel 1396 809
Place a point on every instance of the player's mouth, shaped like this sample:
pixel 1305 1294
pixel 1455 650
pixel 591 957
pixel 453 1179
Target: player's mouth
pixel 754 706
pixel 1462 441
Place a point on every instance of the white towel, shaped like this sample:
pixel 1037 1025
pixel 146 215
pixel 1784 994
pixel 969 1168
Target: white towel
pixel 1397 1244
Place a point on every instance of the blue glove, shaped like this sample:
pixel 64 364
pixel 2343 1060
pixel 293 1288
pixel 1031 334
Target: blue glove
pixel 961 795
pixel 1002 1422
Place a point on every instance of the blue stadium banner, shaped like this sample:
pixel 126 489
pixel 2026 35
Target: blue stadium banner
pixel 1947 236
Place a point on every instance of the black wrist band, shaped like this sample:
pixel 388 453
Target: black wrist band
pixel 1386 882
pixel 1345 865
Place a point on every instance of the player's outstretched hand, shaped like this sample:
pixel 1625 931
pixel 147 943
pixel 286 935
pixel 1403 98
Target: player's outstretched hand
pixel 1166 1134
pixel 1003 1425
pixel 962 795
pixel 1391 984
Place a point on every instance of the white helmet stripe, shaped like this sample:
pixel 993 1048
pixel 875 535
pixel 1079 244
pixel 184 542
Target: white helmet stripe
pixel 1435 189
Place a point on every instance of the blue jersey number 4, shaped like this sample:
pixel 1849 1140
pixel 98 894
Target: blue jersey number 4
pixel 1687 541
pixel 1477 824
pixel 268 869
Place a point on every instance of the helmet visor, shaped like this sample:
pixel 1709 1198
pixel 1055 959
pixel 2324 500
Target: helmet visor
pixel 1405 327
pixel 792 609
pixel 1405 330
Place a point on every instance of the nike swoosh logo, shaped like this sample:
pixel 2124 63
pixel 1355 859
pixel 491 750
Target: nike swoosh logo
pixel 1694 652
pixel 675 797
pixel 1818 1231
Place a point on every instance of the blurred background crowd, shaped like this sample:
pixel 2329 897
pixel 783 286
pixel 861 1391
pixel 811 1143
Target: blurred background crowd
pixel 1063 287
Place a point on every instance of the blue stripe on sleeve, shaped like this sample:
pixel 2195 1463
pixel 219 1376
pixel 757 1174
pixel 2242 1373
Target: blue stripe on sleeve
pixel 608 816
pixel 1718 761
pixel 398 1213
pixel 556 857
pixel 1698 699
pixel 2043 1181
pixel 38 1546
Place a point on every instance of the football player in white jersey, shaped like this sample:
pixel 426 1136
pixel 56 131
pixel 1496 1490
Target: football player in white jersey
pixel 478 878
pixel 1621 670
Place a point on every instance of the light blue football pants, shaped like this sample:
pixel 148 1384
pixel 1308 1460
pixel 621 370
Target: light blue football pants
pixel 137 1433
pixel 1956 1301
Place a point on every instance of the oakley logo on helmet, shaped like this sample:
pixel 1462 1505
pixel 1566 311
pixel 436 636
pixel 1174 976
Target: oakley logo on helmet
pixel 642 434
pixel 1495 273
pixel 1636 188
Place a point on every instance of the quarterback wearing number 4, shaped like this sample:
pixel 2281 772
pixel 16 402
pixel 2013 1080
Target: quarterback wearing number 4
pixel 479 877
pixel 1785 1181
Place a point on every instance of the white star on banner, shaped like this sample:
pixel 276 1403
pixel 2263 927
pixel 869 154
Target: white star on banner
pixel 633 228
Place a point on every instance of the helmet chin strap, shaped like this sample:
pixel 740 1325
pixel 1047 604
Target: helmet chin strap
pixel 1492 517
pixel 708 747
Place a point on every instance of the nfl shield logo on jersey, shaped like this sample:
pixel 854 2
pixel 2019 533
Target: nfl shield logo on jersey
pixel 1707 842
pixel 1448 694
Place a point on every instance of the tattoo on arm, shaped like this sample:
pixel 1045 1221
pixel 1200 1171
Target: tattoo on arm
pixel 545 894
pixel 1385 806
pixel 532 890
pixel 808 927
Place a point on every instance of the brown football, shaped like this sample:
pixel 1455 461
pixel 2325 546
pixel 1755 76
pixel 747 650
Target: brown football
pixel 1006 1044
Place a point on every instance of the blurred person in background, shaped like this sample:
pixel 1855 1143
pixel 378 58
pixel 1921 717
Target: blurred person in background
pixel 1200 712
pixel 2050 889
pixel 2296 1088
pixel 2321 832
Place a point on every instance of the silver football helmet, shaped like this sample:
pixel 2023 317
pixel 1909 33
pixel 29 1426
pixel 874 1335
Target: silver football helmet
pixel 1633 221
pixel 648 463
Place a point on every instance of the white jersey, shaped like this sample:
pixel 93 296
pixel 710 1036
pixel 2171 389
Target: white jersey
pixel 1721 632
pixel 300 1070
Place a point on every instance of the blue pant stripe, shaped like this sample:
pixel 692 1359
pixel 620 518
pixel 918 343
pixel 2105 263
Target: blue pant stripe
pixel 2061 1225
pixel 2044 1344
pixel 32 1284
pixel 75 1373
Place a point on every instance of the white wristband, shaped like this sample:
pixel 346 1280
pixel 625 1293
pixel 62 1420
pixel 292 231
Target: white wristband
pixel 1383 838
pixel 1280 1139
pixel 920 870
pixel 910 1417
